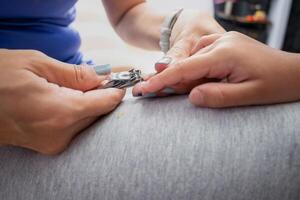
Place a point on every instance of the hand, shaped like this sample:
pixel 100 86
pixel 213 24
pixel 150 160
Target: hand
pixel 189 28
pixel 44 103
pixel 249 73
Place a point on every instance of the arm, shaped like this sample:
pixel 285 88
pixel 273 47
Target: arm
pixel 134 22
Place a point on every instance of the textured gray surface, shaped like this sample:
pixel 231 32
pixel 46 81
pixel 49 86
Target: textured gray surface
pixel 167 149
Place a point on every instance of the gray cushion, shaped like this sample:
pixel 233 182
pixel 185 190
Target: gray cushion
pixel 167 149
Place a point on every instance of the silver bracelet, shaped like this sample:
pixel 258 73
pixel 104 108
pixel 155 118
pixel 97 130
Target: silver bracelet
pixel 166 30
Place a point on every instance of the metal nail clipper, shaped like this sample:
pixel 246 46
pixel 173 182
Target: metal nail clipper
pixel 123 80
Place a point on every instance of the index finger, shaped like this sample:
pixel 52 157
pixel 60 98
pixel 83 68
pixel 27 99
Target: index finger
pixel 192 68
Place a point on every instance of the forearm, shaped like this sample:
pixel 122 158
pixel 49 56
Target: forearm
pixel 135 23
pixel 141 27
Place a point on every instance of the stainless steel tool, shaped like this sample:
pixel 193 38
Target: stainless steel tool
pixel 123 80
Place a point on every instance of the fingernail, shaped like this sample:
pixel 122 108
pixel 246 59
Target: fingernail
pixel 102 69
pixel 168 91
pixel 166 60
pixel 149 95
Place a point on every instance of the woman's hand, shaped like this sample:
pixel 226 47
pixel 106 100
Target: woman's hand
pixel 44 103
pixel 248 71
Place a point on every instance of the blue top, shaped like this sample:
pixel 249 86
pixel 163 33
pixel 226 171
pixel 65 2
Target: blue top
pixel 41 25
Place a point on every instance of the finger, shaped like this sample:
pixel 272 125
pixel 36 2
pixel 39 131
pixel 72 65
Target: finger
pixel 186 86
pixel 181 49
pixel 185 48
pixel 180 88
pixel 79 77
pixel 99 102
pixel 220 95
pixel 190 69
pixel 204 42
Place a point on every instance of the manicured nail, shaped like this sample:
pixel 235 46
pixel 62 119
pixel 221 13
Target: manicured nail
pixel 149 95
pixel 168 91
pixel 102 69
pixel 164 61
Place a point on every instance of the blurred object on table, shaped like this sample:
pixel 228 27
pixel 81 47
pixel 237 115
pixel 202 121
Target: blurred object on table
pixel 246 16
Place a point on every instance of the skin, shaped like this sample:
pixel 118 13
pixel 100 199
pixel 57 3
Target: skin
pixel 45 103
pixel 248 73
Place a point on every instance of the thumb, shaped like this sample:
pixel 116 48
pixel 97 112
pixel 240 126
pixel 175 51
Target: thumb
pixel 78 77
pixel 221 95
pixel 99 102
pixel 181 50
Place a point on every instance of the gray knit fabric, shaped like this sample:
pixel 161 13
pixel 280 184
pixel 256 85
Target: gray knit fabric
pixel 167 149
